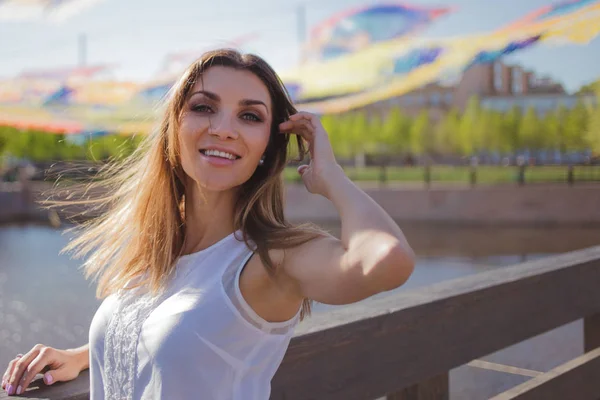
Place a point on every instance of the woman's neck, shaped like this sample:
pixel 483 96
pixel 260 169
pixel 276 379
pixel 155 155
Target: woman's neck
pixel 208 217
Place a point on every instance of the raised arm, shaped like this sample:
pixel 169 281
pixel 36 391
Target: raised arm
pixel 372 254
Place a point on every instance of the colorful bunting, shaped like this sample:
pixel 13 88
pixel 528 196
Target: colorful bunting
pixel 353 59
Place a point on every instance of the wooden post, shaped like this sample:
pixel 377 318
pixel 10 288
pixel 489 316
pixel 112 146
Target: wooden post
pixel 436 388
pixel 473 175
pixel 521 178
pixel 570 176
pixel 382 175
pixel 473 170
pixel 427 175
pixel 591 332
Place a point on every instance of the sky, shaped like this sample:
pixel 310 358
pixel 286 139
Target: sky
pixel 135 35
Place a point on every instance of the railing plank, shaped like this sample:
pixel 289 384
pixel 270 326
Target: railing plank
pixel 78 389
pixel 576 379
pixel 436 388
pixel 382 346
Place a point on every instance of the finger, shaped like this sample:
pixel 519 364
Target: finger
pixel 301 127
pixel 34 368
pixel 9 370
pixel 298 118
pixel 286 126
pixel 302 169
pixel 302 115
pixel 306 130
pixel 291 123
pixel 20 367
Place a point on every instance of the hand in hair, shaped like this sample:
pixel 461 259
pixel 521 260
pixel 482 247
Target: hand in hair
pixel 323 165
pixel 371 255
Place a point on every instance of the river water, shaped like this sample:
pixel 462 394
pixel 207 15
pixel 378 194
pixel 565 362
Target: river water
pixel 44 297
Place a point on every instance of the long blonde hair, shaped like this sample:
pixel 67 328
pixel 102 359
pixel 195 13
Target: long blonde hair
pixel 142 226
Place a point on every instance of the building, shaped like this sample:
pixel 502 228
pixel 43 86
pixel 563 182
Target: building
pixel 541 103
pixel 501 87
pixel 498 86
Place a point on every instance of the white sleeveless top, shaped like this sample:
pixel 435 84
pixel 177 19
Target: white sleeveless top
pixel 199 340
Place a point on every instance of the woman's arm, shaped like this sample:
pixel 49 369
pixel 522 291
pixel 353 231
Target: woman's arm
pixel 372 254
pixel 82 355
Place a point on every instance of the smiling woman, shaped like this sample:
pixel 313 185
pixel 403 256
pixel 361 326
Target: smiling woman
pixel 203 279
pixel 226 120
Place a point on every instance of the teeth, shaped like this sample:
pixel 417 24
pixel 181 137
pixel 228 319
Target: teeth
pixel 221 154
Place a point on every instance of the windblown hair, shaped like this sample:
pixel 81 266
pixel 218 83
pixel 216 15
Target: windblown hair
pixel 141 231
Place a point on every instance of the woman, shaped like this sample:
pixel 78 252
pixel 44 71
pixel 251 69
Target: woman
pixel 203 278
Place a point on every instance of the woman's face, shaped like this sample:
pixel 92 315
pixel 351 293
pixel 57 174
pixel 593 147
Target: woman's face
pixel 225 127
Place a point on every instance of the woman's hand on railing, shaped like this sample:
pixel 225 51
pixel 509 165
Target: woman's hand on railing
pixel 57 366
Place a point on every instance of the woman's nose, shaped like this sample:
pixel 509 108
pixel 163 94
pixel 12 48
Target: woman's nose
pixel 223 127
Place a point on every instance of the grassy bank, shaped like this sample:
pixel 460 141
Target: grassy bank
pixel 462 174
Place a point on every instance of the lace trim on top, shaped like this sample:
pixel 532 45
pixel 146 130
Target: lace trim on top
pixel 122 334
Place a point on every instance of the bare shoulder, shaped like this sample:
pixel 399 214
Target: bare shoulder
pixel 277 296
pixel 273 296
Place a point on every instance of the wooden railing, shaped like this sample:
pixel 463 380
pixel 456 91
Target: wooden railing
pixel 402 346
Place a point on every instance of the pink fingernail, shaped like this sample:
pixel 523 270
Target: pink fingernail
pixel 10 390
pixel 19 388
pixel 48 378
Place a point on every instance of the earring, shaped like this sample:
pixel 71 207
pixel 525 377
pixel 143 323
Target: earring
pixel 261 161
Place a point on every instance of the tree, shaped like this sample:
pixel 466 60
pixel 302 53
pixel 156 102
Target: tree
pixel 494 140
pixel 592 136
pixel 331 126
pixel 419 134
pixel 553 129
pixel 529 130
pixel 468 129
pixel 589 88
pixel 358 137
pixel 446 133
pixel 510 129
pixel 3 141
pixel 576 124
pixel 374 140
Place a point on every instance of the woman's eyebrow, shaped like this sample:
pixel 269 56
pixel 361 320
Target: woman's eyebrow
pixel 210 95
pixel 252 102
pixel 243 102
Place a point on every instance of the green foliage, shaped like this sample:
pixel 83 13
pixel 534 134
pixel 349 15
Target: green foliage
pixel 395 131
pixel 43 146
pixel 592 136
pixel 590 87
pixel 576 123
pixel 445 134
pixel 418 133
pixel 510 129
pixel 553 130
pixel 529 130
pixel 468 129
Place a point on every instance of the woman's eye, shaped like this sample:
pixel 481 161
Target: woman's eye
pixel 251 117
pixel 202 108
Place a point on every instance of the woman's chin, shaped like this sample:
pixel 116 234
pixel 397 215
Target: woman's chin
pixel 217 185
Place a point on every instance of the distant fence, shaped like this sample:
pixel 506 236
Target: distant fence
pixel 429 175
pixel 480 175
pixel 403 346
pixel 383 175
